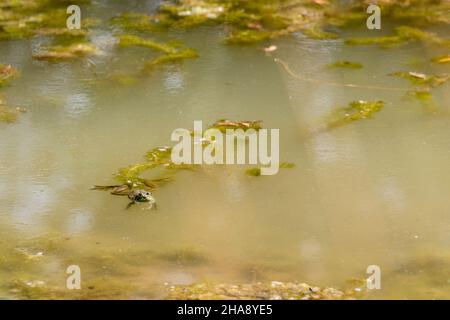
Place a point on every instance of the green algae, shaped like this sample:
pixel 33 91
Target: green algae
pixel 318 33
pixel 69 52
pixel 23 19
pixel 356 110
pixel 424 84
pixel 245 22
pixel 223 124
pixel 402 35
pixel 157 169
pixel 256 172
pixel 253 172
pixel 441 59
pixel 346 64
pixel 421 79
pixel 387 41
pixel 170 58
pixel 188 14
pixel 58 32
pixel 414 12
pixel 425 97
pixel 127 40
pixel 248 36
pixel 132 21
pixel 286 165
pixel 173 51
pixel 157 161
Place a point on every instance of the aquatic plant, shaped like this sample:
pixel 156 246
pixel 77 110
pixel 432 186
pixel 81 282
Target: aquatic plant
pixel 158 169
pixel 160 158
pixel 318 33
pixel 287 165
pixel 356 110
pixel 425 97
pixel 72 51
pixel 256 172
pixel 224 124
pixel 248 36
pixel 133 21
pixel 441 59
pixel 186 14
pixel 402 35
pixel 421 79
pixel 173 51
pixel 246 22
pixel 127 40
pixel 172 57
pixel 157 159
pixel 413 12
pixel 24 18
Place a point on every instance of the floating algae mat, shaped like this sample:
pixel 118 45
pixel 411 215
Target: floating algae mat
pixel 160 160
pixel 363 130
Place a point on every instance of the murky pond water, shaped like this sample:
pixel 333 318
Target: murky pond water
pixel 371 193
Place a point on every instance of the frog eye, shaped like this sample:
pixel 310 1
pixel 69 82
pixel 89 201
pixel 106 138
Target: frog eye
pixel 147 193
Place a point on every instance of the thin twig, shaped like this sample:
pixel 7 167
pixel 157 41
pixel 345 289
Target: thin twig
pixel 336 84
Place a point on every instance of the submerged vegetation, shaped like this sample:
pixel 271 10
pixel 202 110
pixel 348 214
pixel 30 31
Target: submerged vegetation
pixel 72 51
pixel 24 18
pixel 256 172
pixel 402 35
pixel 224 124
pixel 127 40
pixel 249 22
pixel 441 59
pixel 158 161
pixel 421 79
pixel 158 169
pixel 356 110
pixel 424 84
pixel 172 57
pixel 172 52
pixel 243 23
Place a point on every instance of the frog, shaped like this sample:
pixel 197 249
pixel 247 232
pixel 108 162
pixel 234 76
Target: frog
pixel 139 195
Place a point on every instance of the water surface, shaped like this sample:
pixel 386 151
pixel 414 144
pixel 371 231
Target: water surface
pixel 374 192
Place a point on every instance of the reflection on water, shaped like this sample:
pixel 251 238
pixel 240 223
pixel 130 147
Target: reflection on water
pixel 374 192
